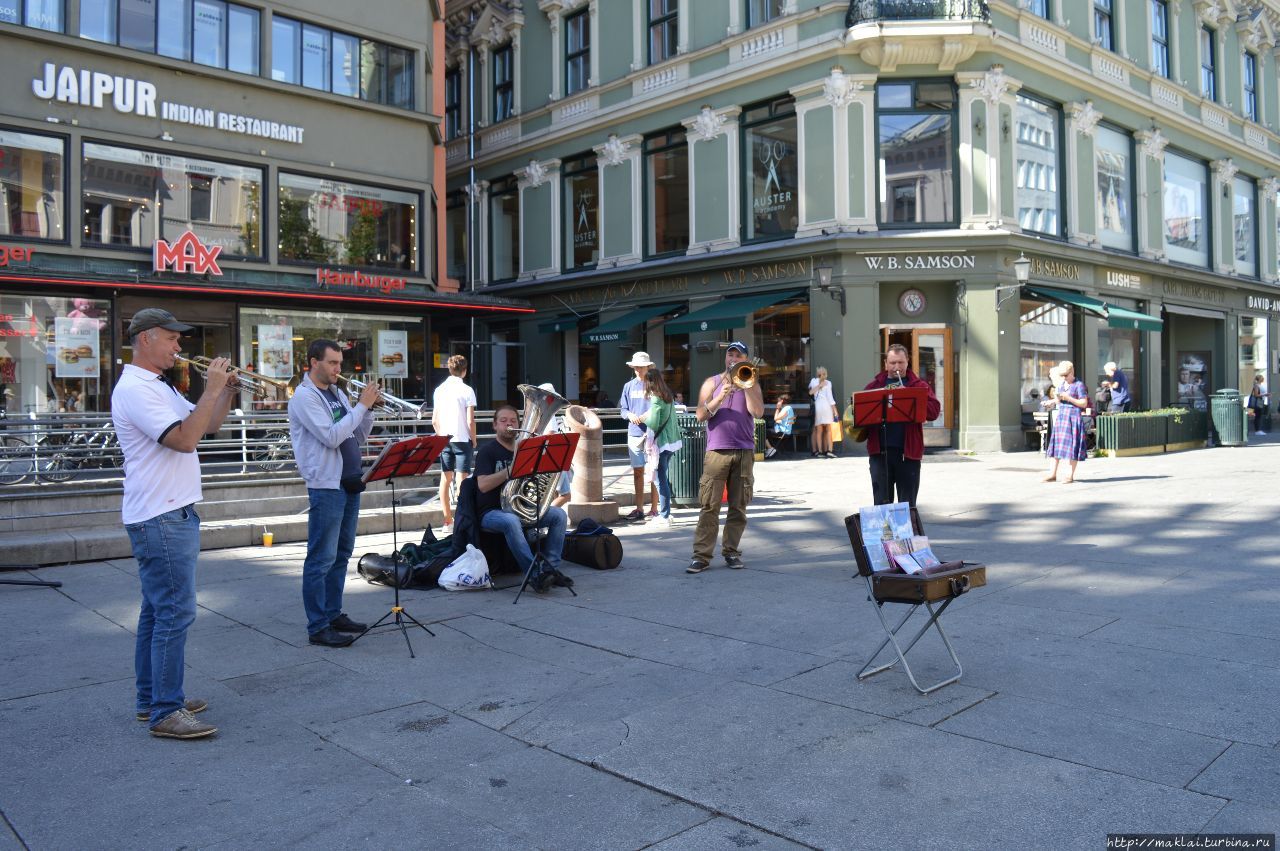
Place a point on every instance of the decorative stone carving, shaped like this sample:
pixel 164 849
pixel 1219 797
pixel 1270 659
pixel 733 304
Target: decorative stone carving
pixel 534 174
pixel 1084 117
pixel 838 89
pixel 475 191
pixel 1153 143
pixel 992 85
pixel 1224 170
pixel 1270 188
pixel 788 7
pixel 708 125
pixel 614 151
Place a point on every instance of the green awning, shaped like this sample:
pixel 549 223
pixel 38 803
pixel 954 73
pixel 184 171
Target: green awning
pixel 616 329
pixel 1119 317
pixel 560 323
pixel 730 313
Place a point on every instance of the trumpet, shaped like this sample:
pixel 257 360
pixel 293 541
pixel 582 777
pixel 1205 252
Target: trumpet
pixel 386 402
pixel 258 385
pixel 744 375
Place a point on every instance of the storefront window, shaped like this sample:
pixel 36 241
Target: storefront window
pixel 455 235
pixel 1123 346
pixel 389 348
pixel 31 186
pixel 581 213
pixel 41 14
pixel 772 172
pixel 916 152
pixel 327 221
pixel 780 338
pixel 675 365
pixel 133 197
pixel 1244 225
pixel 1036 191
pixel 1044 341
pixel 55 354
pixel 1113 155
pixel 1195 379
pixel 1253 352
pixel 504 224
pixel 667 193
pixel 1186 237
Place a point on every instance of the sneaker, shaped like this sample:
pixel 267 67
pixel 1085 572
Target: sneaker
pixel 193 705
pixel 181 724
pixel 329 637
pixel 653 515
pixel 544 581
pixel 560 580
pixel 668 521
pixel 696 566
pixel 1260 433
pixel 638 514
pixel 446 529
pixel 342 623
pixel 830 455
pixel 735 562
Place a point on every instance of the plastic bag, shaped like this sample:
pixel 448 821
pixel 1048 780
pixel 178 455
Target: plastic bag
pixel 468 572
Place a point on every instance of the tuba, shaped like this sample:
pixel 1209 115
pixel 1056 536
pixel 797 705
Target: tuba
pixel 530 497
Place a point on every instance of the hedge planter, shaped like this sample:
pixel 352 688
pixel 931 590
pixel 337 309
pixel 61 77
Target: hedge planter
pixel 1187 430
pixel 1151 432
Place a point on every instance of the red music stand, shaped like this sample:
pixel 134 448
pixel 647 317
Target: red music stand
pixel 410 457
pixel 550 453
pixel 889 405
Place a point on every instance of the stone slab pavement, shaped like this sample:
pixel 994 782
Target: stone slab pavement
pixel 1122 674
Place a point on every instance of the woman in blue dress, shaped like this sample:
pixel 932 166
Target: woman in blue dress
pixel 1066 442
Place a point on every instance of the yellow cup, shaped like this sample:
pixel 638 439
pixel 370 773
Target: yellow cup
pixel 267 539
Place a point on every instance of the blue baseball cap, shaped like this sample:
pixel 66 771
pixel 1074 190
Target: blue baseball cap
pixel 740 346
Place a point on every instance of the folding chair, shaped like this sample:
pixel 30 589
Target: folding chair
pixel 914 590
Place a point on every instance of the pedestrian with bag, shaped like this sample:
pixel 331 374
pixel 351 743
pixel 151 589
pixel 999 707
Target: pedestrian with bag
pixel 1260 403
pixel 1067 440
pixel 660 420
pixel 824 414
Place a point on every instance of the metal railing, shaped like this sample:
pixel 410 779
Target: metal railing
pixel 868 11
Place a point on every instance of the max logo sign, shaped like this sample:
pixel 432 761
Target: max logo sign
pixel 188 254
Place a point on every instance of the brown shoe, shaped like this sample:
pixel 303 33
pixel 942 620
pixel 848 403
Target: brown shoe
pixel 181 724
pixel 193 705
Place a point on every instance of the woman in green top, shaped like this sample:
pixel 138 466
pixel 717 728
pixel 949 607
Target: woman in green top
pixel 661 420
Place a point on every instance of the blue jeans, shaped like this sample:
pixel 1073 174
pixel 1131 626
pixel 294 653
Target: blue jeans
pixel 331 536
pixel 664 484
pixel 508 525
pixel 166 548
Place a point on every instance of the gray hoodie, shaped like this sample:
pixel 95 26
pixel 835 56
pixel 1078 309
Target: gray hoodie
pixel 316 437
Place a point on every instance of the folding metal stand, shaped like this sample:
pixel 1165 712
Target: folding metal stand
pixel 550 453
pixel 38 583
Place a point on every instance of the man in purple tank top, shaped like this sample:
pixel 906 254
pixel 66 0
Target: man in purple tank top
pixel 730 415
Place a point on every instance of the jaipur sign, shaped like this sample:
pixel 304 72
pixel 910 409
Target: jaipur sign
pixel 188 254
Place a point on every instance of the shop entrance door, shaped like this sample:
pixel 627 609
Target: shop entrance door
pixel 930 348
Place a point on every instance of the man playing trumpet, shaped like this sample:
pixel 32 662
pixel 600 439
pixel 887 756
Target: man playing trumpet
pixel 327 433
pixel 730 414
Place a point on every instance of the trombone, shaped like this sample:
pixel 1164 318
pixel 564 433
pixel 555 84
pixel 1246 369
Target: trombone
pixel 258 385
pixel 386 402
pixel 744 374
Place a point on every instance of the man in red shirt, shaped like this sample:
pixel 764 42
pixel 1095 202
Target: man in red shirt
pixel 896 463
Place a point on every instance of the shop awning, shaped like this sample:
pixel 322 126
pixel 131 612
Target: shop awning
pixel 560 323
pixel 616 329
pixel 1117 317
pixel 730 313
pixel 1194 311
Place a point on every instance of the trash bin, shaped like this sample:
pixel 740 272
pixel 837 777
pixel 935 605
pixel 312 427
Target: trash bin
pixel 686 465
pixel 1228 417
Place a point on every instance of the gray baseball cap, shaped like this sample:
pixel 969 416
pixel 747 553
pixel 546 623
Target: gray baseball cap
pixel 154 317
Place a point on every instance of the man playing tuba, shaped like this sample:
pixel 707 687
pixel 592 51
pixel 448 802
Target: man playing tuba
pixel 493 471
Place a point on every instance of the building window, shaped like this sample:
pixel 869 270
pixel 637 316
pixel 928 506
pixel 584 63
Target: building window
pixel 1208 65
pixel 1103 32
pixel 1113 164
pixel 916 152
pixel 780 335
pixel 1039 8
pixel 327 221
pixel 56 356
pixel 1122 345
pixel 577 56
pixel 455 236
pixel 1045 341
pixel 331 61
pixel 581 226
pixel 40 14
pixel 1244 225
pixel 452 104
pixel 666 175
pixel 32 184
pixel 1186 228
pixel 1250 81
pixel 763 11
pixel 504 230
pixel 664 37
pixel 772 173
pixel 503 84
pixel 1160 37
pixel 131 198
pixel 1037 151
pixel 208 32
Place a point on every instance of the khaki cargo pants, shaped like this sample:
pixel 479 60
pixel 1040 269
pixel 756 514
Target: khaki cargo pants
pixel 721 466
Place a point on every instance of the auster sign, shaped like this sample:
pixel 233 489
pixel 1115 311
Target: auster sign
pixel 188 254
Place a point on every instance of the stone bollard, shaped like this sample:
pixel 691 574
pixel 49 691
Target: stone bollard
pixel 587 489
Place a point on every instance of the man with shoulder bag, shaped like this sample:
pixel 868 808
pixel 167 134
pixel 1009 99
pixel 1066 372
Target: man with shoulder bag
pixel 327 434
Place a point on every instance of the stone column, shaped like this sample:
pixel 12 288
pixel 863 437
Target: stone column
pixel 1149 218
pixel 1083 118
pixel 984 98
pixel 1222 242
pixel 714 201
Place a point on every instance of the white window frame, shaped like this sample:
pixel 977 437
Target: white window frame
pixel 556 11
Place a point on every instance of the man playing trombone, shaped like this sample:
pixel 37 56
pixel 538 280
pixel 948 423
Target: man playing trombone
pixel 327 434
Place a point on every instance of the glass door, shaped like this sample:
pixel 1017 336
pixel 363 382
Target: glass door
pixel 930 350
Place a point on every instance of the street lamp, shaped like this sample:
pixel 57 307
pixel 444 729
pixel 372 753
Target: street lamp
pixel 824 283
pixel 1021 273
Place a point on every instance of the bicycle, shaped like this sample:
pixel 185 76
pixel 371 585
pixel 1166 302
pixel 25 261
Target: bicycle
pixel 81 451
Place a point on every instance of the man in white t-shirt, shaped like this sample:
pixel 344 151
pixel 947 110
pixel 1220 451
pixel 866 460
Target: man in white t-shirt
pixel 158 431
pixel 453 412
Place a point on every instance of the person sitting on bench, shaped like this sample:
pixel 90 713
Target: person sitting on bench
pixel 492 472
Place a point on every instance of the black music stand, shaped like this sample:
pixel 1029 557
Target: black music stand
pixel 882 406
pixel 38 583
pixel 410 457
pixel 551 453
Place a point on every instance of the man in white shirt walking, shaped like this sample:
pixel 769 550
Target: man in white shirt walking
pixel 158 431
pixel 453 412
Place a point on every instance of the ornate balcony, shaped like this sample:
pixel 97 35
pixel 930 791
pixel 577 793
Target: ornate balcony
pixel 869 11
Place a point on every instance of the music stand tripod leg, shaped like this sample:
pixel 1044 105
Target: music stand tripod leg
pixel 37 583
